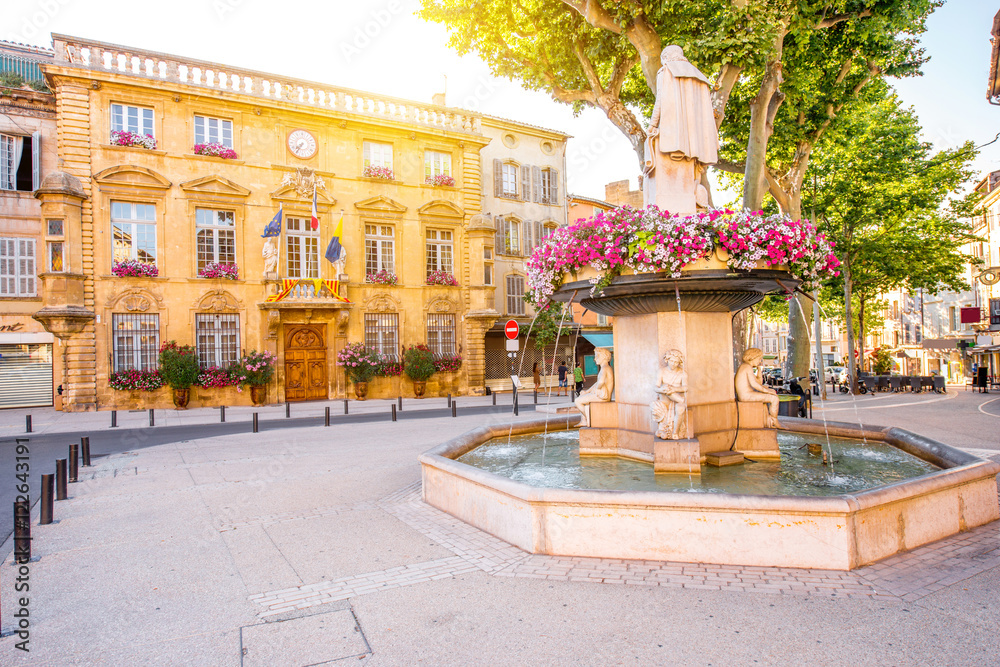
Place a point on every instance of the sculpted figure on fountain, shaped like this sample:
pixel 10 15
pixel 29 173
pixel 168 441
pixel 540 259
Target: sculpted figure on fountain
pixel 670 412
pixel 602 390
pixel 750 390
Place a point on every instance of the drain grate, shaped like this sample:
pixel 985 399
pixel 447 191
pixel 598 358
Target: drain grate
pixel 306 640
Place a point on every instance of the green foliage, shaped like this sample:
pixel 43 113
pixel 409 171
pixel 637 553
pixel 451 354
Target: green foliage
pixel 418 363
pixel 178 365
pixel 881 360
pixel 11 80
pixel 546 327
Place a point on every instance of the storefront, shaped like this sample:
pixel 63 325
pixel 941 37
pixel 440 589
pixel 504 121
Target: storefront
pixel 25 367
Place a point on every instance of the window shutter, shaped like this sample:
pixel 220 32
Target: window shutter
pixel 26 267
pixel 498 234
pixel 8 269
pixel 527 240
pixel 536 176
pixel 539 232
pixel 553 186
pixel 525 183
pixel 507 250
pixel 497 177
pixel 36 160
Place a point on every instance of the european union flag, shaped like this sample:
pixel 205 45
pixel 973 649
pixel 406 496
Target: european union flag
pixel 334 249
pixel 273 228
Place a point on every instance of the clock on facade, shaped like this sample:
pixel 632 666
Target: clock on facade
pixel 302 144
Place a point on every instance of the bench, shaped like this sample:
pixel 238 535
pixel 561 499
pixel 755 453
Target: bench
pixel 504 385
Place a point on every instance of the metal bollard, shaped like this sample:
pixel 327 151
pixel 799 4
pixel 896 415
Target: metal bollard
pixel 27 423
pixel 536 397
pixel 60 479
pixel 114 419
pixel 399 401
pixel 288 409
pixel 22 532
pixel 256 425
pixel 85 450
pixel 449 400
pixel 152 417
pixel 394 412
pixel 45 515
pixel 454 409
pixel 494 398
pixel 222 414
pixel 74 463
pixel 345 406
pixel 515 401
pixel 326 416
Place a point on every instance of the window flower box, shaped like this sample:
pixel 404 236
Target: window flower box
pixel 382 278
pixel 440 180
pixel 215 377
pixel 131 268
pixel 448 364
pixel 218 270
pixel 381 173
pixel 442 278
pixel 215 150
pixel 126 138
pixel 135 380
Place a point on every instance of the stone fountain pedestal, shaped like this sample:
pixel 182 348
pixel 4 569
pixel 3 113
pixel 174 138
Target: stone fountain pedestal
pixel 693 314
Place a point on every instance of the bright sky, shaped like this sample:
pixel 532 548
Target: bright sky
pixel 380 46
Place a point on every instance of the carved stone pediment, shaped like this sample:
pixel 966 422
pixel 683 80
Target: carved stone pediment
pixel 215 185
pixel 134 300
pixel 381 205
pixel 440 208
pixel 218 301
pixel 299 184
pixel 441 305
pixel 382 302
pixel 131 176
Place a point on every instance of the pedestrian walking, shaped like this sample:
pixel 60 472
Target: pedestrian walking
pixel 578 378
pixel 536 375
pixel 563 383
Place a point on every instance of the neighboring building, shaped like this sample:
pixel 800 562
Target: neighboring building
pixel 985 279
pixel 595 330
pixel 583 208
pixel 524 177
pixel 296 141
pixel 30 246
pixel 618 194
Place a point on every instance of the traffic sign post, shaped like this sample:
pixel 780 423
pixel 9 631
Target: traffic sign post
pixel 511 331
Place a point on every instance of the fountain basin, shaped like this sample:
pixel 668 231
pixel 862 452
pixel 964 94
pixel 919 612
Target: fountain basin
pixel 834 532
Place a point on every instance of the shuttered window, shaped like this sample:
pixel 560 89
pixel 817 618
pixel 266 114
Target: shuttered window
pixel 382 333
pixel 17 267
pixel 509 187
pixel 213 131
pixel 218 336
pixel 9 160
pixel 135 341
pixel 550 186
pixel 441 334
pixel 25 375
pixel 515 295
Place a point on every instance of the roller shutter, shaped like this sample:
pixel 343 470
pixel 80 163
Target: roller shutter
pixel 25 375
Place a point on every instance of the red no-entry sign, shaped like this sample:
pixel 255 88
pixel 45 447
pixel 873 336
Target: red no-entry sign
pixel 510 329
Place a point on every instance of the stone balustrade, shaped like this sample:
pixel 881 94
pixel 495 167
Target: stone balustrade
pixel 106 57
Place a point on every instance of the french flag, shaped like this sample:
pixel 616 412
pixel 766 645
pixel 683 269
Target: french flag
pixel 315 215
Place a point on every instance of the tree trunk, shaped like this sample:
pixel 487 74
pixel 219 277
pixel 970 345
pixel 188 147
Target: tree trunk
pixel 741 329
pixel 798 337
pixel 818 336
pixel 861 334
pixel 763 108
pixel 849 321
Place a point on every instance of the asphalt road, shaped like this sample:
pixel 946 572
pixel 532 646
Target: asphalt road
pixel 45 449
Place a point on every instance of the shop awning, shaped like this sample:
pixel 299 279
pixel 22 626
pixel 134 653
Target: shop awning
pixel 601 339
pixel 943 343
pixel 905 353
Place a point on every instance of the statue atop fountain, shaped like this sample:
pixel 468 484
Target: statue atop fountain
pixel 670 411
pixel 682 139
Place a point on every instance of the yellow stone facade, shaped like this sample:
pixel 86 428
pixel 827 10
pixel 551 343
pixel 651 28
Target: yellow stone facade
pixel 170 184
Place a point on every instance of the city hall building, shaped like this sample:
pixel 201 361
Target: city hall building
pixel 164 173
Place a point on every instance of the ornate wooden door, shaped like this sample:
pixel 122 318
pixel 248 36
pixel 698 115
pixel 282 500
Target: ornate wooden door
pixel 305 362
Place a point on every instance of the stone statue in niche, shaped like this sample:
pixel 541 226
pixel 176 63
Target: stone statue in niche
pixel 270 255
pixel 602 390
pixel 750 390
pixel 670 412
pixel 682 138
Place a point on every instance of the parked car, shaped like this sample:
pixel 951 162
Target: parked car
pixel 835 374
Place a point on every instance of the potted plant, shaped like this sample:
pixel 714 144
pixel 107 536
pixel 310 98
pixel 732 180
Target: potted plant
pixel 255 370
pixel 179 369
pixel 360 364
pixel 418 364
pixel 381 173
pixel 215 150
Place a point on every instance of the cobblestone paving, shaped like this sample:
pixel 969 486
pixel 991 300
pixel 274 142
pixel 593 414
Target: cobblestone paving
pixel 904 577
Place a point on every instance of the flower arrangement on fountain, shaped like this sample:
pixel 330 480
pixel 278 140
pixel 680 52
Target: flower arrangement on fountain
pixel 441 278
pixel 382 173
pixel 126 138
pixel 382 278
pixel 653 241
pixel 220 270
pixel 135 380
pixel 215 377
pixel 215 150
pixel 440 180
pixel 448 363
pixel 360 363
pixel 132 268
